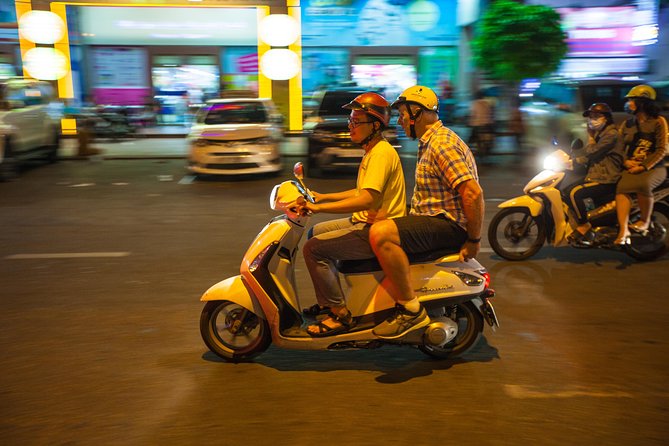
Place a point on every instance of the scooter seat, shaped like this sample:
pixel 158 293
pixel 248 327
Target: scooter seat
pixel 370 265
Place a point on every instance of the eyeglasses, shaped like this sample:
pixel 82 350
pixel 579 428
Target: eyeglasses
pixel 355 123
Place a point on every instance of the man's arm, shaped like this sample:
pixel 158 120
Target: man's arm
pixel 473 207
pixel 360 202
pixel 334 196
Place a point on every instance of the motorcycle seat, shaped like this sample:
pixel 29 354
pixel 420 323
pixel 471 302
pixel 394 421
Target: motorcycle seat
pixel 370 265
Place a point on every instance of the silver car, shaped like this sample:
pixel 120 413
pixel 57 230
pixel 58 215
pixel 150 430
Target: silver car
pixel 555 110
pixel 236 136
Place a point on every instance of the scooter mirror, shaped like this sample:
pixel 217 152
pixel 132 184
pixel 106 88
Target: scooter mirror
pixel 298 171
pixel 576 144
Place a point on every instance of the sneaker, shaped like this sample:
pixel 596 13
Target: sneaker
pixel 401 323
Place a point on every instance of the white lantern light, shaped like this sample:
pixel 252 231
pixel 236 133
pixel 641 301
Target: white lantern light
pixel 41 27
pixel 46 63
pixel 278 30
pixel 279 64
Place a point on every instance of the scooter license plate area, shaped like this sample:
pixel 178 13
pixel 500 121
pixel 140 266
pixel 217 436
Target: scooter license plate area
pixel 489 314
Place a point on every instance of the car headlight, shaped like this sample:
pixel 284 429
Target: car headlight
pixel 200 142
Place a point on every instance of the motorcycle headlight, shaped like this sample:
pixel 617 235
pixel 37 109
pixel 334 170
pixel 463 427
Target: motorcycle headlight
pixel 557 162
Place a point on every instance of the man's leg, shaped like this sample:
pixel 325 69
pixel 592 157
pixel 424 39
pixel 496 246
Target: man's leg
pixel 320 252
pixel 410 315
pixel 384 239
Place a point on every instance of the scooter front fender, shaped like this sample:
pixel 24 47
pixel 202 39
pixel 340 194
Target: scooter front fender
pixel 524 201
pixel 234 290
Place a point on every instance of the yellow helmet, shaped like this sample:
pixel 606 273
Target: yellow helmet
pixel 419 95
pixel 642 91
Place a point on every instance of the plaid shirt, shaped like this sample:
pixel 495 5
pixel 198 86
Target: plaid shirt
pixel 444 162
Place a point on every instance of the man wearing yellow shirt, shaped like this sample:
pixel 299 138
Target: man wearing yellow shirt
pixel 379 194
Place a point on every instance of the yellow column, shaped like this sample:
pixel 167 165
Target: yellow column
pixel 295 84
pixel 23 6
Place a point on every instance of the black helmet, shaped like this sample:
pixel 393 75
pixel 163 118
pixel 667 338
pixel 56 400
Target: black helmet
pixel 599 107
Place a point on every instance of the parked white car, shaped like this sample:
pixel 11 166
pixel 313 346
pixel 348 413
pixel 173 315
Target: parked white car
pixel 236 136
pixel 29 124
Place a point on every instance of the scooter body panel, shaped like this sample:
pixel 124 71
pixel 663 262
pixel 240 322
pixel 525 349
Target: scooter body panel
pixel 234 290
pixel 524 201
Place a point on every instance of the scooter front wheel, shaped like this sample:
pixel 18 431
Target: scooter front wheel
pixel 233 332
pixel 470 327
pixel 515 235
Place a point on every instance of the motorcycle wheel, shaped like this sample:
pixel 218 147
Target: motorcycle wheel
pixel 470 327
pixel 515 235
pixel 232 332
pixel 654 244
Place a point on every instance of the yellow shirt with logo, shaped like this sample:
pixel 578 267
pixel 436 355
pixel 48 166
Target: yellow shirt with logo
pixel 381 170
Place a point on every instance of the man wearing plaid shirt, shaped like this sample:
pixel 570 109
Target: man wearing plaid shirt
pixel 446 208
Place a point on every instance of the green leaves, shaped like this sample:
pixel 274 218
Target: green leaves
pixel 516 41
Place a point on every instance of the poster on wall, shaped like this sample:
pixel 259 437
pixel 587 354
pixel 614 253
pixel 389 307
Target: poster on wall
pixel 379 22
pixel 119 76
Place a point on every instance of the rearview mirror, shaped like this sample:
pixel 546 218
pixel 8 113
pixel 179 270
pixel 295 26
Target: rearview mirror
pixel 298 171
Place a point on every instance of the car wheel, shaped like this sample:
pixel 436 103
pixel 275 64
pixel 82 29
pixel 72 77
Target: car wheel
pixel 53 147
pixel 9 165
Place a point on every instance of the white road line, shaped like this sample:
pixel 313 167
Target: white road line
pixel 66 255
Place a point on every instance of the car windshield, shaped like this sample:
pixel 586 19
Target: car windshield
pixel 333 101
pixel 234 113
pixel 614 95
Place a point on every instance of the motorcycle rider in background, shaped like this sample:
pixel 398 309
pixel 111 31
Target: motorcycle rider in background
pixel 379 194
pixel 645 142
pixel 603 160
pixel 446 208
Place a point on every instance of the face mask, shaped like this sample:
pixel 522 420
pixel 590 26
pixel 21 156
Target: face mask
pixel 596 124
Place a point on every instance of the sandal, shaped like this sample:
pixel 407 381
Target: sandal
pixel 325 330
pixel 315 310
pixel 640 227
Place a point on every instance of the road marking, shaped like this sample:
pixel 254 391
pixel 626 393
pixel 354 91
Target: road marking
pixel 188 179
pixel 66 255
pixel 532 392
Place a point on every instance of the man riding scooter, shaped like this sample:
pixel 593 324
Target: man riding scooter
pixel 446 208
pixel 379 195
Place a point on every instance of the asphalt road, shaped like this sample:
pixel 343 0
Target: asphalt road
pixel 101 268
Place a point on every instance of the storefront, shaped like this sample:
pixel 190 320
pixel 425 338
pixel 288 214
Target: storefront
pixel 380 44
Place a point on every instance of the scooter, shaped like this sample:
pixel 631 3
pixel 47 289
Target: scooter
pixel 523 224
pixel 244 314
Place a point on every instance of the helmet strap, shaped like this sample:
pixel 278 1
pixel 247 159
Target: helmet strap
pixel 412 120
pixel 371 136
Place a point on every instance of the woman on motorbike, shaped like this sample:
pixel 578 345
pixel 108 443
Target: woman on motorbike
pixel 645 142
pixel 603 159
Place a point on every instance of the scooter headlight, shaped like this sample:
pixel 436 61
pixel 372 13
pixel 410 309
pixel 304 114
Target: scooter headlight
pixel 259 258
pixel 557 161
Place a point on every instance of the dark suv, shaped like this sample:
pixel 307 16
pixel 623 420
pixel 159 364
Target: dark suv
pixel 329 143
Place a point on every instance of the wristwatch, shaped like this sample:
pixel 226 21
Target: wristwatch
pixel 474 240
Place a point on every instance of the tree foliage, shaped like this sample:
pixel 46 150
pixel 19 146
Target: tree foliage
pixel 516 41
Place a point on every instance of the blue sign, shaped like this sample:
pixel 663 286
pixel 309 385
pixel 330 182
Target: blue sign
pixel 379 22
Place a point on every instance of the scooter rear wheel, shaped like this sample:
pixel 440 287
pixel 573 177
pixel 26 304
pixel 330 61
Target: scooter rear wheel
pixel 470 327
pixel 653 244
pixel 233 332
pixel 515 235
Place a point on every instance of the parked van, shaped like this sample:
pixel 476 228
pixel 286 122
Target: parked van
pixel 29 124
